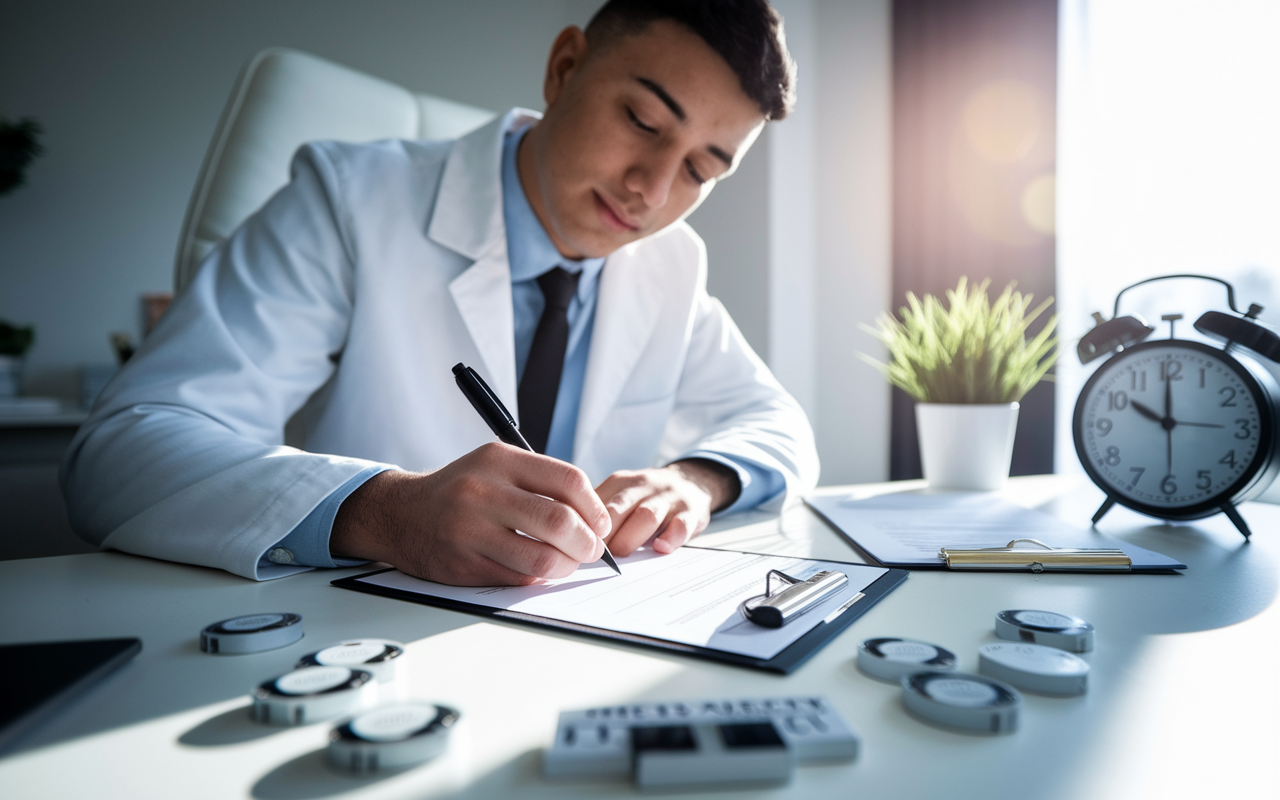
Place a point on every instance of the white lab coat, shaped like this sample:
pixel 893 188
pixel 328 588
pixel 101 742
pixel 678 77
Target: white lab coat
pixel 353 292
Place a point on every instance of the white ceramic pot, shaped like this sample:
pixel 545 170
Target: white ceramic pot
pixel 966 446
pixel 10 373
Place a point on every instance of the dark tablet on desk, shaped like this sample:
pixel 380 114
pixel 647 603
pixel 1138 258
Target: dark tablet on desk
pixel 38 680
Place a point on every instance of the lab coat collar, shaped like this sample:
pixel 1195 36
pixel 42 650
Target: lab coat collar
pixel 627 311
pixel 467 218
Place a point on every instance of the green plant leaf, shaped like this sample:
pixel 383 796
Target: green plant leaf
pixel 973 350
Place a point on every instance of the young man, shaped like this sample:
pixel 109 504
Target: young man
pixel 548 253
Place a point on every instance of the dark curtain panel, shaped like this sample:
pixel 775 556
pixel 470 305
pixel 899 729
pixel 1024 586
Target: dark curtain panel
pixel 974 114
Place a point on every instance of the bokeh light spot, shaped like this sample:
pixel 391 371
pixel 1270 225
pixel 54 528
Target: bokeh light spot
pixel 1039 204
pixel 1003 119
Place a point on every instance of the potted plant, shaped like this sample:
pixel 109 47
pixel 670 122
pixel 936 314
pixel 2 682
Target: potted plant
pixel 14 343
pixel 19 146
pixel 967 365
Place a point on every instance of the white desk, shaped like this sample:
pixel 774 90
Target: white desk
pixel 1183 699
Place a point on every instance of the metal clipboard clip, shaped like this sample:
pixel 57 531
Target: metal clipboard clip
pixel 1044 559
pixel 775 609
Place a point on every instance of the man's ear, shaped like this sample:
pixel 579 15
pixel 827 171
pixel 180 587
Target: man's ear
pixel 568 52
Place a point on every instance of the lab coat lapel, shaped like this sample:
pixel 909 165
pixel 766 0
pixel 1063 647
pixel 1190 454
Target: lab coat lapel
pixel 482 294
pixel 467 218
pixel 627 310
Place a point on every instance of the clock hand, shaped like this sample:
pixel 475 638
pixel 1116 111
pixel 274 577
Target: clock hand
pixel 1144 411
pixel 1168 422
pixel 1200 424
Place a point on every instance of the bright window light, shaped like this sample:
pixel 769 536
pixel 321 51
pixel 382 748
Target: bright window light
pixel 1169 162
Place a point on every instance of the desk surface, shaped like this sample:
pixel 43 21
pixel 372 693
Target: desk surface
pixel 1182 702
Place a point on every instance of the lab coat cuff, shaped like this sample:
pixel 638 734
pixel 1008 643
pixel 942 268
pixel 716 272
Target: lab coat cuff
pixel 307 545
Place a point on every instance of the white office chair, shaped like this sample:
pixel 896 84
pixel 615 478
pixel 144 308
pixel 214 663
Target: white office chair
pixel 282 99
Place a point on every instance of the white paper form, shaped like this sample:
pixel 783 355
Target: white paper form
pixel 908 529
pixel 690 596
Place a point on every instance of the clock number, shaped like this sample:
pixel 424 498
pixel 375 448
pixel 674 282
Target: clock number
pixel 1117 401
pixel 1229 459
pixel 1167 485
pixel 1202 377
pixel 1243 433
pixel 1113 456
pixel 1230 400
pixel 1103 425
pixel 1138 381
pixel 1203 481
pixel 1139 471
pixel 1171 370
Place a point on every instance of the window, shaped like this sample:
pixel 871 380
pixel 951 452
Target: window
pixel 1169 162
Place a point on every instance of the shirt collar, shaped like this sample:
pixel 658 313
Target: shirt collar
pixel 530 251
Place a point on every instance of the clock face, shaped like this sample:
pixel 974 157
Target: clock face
pixel 1172 428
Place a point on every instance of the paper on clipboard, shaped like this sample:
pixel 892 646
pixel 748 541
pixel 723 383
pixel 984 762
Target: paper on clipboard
pixel 690 596
pixel 907 529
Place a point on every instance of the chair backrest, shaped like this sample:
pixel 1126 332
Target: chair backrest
pixel 283 99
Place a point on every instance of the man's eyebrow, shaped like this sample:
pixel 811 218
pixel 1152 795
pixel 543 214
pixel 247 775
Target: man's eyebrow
pixel 670 101
pixel 678 110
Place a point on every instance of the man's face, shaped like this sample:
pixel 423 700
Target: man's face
pixel 634 137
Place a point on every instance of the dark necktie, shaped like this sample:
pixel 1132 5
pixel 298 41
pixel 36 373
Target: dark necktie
pixel 541 381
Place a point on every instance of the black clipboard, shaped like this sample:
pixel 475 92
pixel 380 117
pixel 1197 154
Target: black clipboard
pixel 785 662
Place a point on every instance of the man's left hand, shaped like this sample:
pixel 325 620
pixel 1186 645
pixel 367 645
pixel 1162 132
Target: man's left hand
pixel 675 502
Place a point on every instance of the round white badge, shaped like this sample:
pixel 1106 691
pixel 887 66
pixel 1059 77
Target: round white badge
pixel 253 633
pixel 313 694
pixel 312 681
pixel 384 658
pixel 390 737
pixel 1045 627
pixel 889 658
pixel 960 700
pixel 251 623
pixel 1035 667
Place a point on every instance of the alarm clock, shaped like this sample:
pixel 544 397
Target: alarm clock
pixel 1177 429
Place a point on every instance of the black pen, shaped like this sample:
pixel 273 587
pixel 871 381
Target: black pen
pixel 500 421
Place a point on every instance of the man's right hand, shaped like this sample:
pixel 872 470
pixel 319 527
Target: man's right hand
pixel 458 524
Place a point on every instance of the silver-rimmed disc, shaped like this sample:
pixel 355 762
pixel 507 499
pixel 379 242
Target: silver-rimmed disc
pixel 961 700
pixel 313 694
pixel 889 658
pixel 1034 667
pixel 1045 627
pixel 383 657
pixel 253 633
pixel 390 737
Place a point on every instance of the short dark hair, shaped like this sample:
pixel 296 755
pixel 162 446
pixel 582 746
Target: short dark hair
pixel 747 34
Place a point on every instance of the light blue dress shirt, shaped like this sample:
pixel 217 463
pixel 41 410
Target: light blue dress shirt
pixel 530 253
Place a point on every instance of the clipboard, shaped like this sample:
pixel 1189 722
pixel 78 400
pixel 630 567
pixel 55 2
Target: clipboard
pixel 911 530
pixel 784 662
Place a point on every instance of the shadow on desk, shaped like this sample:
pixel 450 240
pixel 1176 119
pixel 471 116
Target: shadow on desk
pixel 230 727
pixel 311 776
pixel 1219 560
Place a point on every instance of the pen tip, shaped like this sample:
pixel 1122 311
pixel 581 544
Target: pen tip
pixel 608 559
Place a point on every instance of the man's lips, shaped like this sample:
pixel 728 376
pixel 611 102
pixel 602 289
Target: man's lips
pixel 611 217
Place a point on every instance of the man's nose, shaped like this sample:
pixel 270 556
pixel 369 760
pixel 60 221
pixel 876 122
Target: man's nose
pixel 652 178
